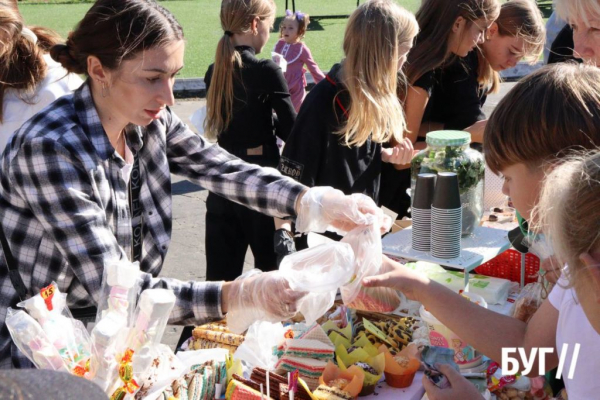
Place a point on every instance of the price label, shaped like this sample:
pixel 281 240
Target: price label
pixel 376 331
pixel 47 294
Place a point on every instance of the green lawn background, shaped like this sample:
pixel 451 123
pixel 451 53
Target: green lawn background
pixel 202 28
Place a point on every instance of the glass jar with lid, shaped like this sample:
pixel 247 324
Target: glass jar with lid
pixel 449 151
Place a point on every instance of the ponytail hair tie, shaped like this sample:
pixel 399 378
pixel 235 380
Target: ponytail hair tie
pixel 228 33
pixel 29 35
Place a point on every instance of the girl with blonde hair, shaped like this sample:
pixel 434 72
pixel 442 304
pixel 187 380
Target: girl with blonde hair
pixel 29 78
pixel 242 93
pixel 346 119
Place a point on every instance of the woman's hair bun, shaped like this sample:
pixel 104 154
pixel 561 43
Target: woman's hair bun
pixel 61 53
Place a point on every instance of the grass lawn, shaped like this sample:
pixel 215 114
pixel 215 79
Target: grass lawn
pixel 200 21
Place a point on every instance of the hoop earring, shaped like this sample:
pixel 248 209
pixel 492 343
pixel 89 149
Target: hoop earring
pixel 255 33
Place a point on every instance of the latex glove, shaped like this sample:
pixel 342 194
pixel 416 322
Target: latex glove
pixel 260 296
pixel 461 387
pixel 400 154
pixel 327 209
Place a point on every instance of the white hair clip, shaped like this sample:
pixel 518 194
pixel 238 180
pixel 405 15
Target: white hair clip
pixel 29 35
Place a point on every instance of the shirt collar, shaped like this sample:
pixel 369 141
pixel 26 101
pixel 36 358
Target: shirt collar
pixel 249 49
pixel 92 127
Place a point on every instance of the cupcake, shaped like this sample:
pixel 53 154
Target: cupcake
pixel 400 369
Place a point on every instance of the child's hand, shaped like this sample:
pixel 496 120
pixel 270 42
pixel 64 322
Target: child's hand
pixel 461 387
pixel 398 277
pixel 552 269
pixel 401 154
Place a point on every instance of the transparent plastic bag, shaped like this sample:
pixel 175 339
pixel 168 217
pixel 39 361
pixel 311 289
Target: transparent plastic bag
pixel 31 339
pixel 528 301
pixel 120 286
pixel 319 270
pixel 366 244
pixel 68 335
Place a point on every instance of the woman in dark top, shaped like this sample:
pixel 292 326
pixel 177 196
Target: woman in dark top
pixel 337 139
pixel 449 28
pixel 242 93
pixel 458 92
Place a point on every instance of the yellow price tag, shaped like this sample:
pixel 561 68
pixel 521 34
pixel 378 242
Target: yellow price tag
pixel 375 331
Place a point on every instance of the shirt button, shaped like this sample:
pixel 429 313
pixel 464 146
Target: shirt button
pixel 150 212
pixel 164 247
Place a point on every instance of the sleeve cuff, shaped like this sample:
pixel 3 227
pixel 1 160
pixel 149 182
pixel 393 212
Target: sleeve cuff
pixel 288 196
pixel 207 301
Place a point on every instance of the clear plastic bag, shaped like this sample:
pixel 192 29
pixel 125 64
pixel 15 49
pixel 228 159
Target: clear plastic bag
pixel 528 301
pixel 366 244
pixel 68 335
pixel 319 270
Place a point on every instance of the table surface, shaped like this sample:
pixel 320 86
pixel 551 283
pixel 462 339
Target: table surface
pixel 476 249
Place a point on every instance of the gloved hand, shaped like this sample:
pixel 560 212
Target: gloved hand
pixel 327 209
pixel 260 296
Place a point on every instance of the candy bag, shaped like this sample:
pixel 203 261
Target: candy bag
pixel 528 301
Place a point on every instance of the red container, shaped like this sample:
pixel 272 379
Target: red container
pixel 508 266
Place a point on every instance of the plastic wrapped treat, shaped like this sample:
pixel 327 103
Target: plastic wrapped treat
pixel 120 289
pixel 115 313
pixel 152 314
pixel 66 334
pixel 31 339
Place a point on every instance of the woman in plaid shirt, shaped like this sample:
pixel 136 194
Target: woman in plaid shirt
pixel 66 178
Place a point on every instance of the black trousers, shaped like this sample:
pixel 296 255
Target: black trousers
pixel 231 228
pixel 392 192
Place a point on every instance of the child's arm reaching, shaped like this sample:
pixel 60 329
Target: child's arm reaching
pixel 312 66
pixel 484 329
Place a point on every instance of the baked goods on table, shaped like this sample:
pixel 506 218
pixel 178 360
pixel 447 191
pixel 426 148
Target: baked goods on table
pixel 215 335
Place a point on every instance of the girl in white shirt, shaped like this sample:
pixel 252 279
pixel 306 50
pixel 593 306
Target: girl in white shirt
pixel 565 208
pixel 29 79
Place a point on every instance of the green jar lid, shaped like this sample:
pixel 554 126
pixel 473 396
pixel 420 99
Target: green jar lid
pixel 448 138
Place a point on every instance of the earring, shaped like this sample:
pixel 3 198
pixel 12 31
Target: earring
pixel 104 89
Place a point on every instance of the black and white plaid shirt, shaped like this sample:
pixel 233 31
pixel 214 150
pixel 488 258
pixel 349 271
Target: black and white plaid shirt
pixel 64 204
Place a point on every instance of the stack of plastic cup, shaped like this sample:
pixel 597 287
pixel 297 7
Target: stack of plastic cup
pixel 421 212
pixel 446 217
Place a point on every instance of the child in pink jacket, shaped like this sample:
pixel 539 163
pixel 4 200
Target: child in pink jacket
pixel 297 54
